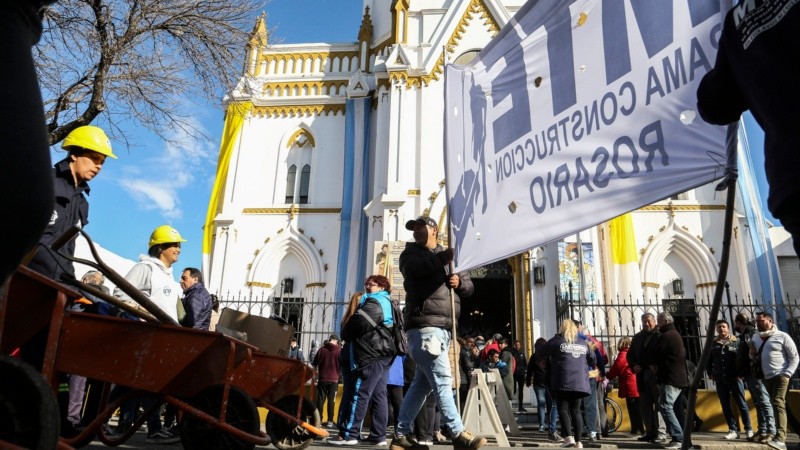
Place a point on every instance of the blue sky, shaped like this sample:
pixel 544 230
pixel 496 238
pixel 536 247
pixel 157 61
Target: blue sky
pixel 153 183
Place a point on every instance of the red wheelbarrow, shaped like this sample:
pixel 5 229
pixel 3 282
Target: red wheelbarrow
pixel 215 381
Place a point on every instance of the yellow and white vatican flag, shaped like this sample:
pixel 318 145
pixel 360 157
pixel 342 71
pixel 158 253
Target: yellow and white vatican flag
pixel 575 113
pixel 234 121
pixel 627 279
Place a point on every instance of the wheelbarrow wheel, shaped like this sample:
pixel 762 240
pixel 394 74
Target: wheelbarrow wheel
pixel 29 415
pixel 288 435
pixel 241 413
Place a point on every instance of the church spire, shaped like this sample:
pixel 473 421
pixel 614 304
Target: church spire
pixel 257 41
pixel 364 40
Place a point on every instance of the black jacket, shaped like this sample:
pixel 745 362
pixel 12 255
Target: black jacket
pixel 743 352
pixel 669 355
pixel 466 364
pixel 520 363
pixel 371 339
pixel 751 72
pixel 70 208
pixel 535 373
pixel 427 292
pixel 197 304
pixel 640 347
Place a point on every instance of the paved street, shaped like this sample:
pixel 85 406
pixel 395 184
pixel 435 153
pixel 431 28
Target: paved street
pixel 532 438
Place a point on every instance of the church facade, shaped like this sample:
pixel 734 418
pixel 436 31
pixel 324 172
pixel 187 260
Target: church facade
pixel 328 150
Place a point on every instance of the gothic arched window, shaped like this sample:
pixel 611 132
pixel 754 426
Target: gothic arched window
pixel 305 178
pixel 291 175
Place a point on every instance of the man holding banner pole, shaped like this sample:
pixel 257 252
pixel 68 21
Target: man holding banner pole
pixel 429 316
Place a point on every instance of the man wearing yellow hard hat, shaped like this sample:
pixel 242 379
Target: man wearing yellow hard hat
pixel 153 276
pixel 87 147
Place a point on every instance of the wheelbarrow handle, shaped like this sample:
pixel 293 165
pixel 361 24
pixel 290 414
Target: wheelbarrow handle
pixel 114 301
pixel 112 275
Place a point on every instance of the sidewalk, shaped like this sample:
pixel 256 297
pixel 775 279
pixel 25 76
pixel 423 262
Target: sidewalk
pixel 531 437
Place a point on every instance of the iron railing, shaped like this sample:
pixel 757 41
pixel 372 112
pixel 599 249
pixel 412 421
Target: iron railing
pixel 609 322
pixel 313 316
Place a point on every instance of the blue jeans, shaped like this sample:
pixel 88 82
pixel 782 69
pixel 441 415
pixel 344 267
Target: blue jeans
pixel 545 409
pixel 724 391
pixel 432 374
pixel 589 406
pixel 668 397
pixel 766 420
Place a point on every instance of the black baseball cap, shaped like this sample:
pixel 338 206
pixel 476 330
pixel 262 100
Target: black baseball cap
pixel 421 220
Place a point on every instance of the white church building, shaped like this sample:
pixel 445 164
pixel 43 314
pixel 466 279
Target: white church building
pixel 329 148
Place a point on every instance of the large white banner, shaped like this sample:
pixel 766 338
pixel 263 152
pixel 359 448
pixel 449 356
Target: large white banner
pixel 576 112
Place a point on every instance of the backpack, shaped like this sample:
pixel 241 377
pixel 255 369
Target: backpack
pixel 399 335
pixel 396 330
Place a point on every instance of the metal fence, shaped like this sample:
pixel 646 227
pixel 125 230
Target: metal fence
pixel 609 322
pixel 313 316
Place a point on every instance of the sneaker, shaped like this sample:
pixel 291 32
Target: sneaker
pixel 645 438
pixel 673 444
pixel 522 410
pixel 660 441
pixel 593 437
pixel 555 437
pixel 579 445
pixel 732 434
pixel 764 438
pixel 749 435
pixel 425 441
pixel 542 428
pixel 778 445
pixel 162 437
pixel 329 424
pixel 338 440
pixel 439 437
pixel 569 442
pixel 406 443
pixel 467 440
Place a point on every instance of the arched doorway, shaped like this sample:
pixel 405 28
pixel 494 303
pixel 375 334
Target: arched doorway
pixel 491 308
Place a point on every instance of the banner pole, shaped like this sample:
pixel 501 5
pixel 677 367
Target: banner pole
pixel 730 182
pixel 454 328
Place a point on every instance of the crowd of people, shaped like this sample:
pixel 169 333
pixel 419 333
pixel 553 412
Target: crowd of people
pixel 570 375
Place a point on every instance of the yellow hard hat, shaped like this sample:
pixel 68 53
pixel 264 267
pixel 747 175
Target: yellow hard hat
pixel 91 138
pixel 165 234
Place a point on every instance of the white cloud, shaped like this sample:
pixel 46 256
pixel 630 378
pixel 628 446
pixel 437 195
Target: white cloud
pixel 157 182
pixel 154 195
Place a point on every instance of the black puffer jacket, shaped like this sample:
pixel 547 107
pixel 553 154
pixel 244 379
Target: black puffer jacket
pixel 427 292
pixel 370 342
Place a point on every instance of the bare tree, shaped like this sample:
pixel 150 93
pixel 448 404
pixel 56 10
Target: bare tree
pixel 137 60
